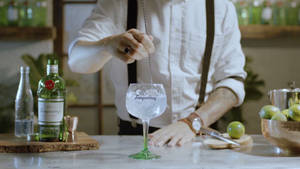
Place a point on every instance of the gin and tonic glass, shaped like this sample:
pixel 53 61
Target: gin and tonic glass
pixel 146 101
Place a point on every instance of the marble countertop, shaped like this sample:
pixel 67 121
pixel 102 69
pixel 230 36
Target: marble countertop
pixel 114 151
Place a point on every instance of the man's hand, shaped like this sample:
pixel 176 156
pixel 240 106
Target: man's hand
pixel 133 45
pixel 177 133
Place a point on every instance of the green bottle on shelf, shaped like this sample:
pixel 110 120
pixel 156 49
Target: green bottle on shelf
pixel 255 12
pixel 12 13
pixel 279 13
pixel 242 11
pixel 51 104
pixel 3 13
pixel 26 13
pixel 292 12
pixel 267 12
pixel 40 13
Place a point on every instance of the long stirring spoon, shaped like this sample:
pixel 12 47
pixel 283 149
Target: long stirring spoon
pixel 147 32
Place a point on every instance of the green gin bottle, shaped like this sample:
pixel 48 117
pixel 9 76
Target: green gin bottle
pixel 279 13
pixel 242 12
pixel 12 13
pixel 40 13
pixel 51 104
pixel 25 13
pixel 267 12
pixel 292 12
pixel 255 12
pixel 3 13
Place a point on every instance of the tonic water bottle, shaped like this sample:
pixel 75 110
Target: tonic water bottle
pixel 24 115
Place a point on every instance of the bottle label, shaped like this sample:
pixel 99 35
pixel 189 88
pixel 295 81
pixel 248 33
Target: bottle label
pixel 50 111
pixel 12 13
pixel 52 69
pixel 267 14
pixel 49 84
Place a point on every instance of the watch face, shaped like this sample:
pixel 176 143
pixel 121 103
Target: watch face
pixel 196 124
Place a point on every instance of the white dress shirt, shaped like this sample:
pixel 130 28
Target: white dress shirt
pixel 180 27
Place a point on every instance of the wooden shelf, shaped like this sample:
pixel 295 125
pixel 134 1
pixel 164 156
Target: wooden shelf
pixel 268 32
pixel 27 33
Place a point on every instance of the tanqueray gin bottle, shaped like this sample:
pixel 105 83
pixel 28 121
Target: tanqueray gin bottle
pixel 51 104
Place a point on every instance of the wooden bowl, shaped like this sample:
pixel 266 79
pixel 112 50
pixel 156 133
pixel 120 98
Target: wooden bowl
pixel 285 135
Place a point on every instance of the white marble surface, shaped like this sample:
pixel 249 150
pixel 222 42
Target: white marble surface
pixel 114 151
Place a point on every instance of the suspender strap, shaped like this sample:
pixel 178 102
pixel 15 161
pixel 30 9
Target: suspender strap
pixel 131 23
pixel 210 34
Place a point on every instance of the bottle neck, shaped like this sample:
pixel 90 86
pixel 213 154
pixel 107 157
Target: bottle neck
pixel 24 80
pixel 52 70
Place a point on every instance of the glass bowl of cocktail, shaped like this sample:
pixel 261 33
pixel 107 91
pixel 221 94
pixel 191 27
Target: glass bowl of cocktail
pixel 146 101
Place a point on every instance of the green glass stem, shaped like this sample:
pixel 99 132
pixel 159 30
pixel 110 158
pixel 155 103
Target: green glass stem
pixel 145 133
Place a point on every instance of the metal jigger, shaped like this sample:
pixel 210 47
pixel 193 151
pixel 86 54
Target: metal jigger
pixel 71 126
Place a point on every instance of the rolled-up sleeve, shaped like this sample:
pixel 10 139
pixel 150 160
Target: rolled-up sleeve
pixel 230 66
pixel 105 20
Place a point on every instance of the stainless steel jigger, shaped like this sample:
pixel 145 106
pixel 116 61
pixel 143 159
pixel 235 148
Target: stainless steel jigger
pixel 71 124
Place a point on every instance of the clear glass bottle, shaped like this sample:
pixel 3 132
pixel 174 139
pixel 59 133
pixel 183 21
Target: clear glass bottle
pixel 3 13
pixel 51 104
pixel 40 13
pixel 255 12
pixel 24 115
pixel 279 13
pixel 12 13
pixel 25 13
pixel 267 12
pixel 292 12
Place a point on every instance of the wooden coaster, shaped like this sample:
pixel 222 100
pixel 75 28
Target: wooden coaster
pixel 213 143
pixel 10 144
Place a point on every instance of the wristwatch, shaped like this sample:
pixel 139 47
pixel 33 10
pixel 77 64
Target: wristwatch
pixel 194 122
pixel 197 124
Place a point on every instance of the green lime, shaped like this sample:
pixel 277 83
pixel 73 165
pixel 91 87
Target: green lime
pixel 279 117
pixel 285 112
pixel 294 112
pixel 268 111
pixel 236 130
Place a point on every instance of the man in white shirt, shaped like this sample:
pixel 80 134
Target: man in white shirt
pixel 180 27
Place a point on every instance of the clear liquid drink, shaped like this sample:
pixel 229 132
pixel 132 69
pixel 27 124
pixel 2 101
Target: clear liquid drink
pixel 24 116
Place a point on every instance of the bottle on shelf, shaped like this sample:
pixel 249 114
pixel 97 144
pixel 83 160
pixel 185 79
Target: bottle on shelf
pixel 51 104
pixel 292 12
pixel 279 13
pixel 3 13
pixel 24 115
pixel 40 13
pixel 267 12
pixel 12 13
pixel 242 11
pixel 255 12
pixel 25 13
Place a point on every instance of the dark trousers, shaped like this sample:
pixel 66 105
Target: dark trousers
pixel 125 128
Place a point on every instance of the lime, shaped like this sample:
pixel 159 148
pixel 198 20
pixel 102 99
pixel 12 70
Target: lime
pixel 236 130
pixel 285 112
pixel 279 117
pixel 294 112
pixel 268 111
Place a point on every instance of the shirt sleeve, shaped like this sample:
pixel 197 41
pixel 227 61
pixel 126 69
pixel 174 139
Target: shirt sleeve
pixel 230 66
pixel 105 20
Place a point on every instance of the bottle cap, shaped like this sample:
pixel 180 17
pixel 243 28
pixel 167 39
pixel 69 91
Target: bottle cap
pixel 52 61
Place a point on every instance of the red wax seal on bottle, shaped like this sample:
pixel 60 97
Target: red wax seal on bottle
pixel 49 84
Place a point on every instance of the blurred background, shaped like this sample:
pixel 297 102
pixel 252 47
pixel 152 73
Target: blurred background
pixel 30 29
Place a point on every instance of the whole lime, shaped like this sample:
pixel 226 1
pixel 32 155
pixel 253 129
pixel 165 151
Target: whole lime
pixel 279 117
pixel 268 111
pixel 236 129
pixel 294 112
pixel 285 112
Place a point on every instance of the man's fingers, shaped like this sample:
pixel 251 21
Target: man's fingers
pixel 125 57
pixel 185 139
pixel 174 140
pixel 144 39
